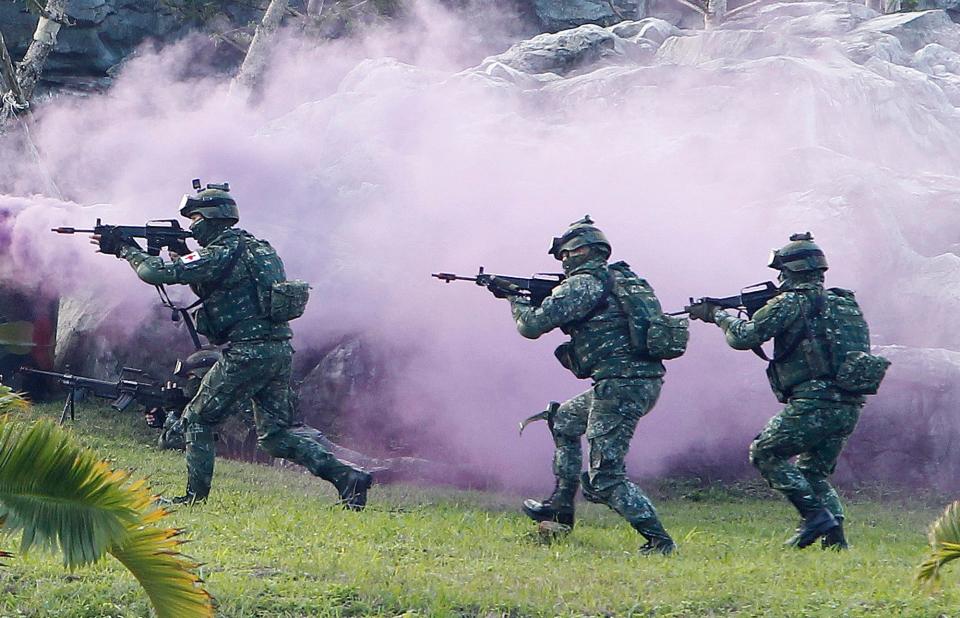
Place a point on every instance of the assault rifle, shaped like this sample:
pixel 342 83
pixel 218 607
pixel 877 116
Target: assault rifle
pixel 159 234
pixel 134 385
pixel 536 288
pixel 748 301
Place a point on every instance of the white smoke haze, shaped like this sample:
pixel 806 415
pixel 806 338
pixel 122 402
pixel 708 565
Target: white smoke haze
pixel 372 163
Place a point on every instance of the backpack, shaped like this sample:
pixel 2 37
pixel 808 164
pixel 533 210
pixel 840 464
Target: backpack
pixel 652 333
pixel 280 300
pixel 847 343
pixel 834 345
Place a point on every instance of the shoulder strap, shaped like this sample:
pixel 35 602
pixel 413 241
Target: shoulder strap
pixel 225 274
pixel 806 333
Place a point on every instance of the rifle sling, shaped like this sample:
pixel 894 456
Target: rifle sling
pixel 227 271
pixel 806 333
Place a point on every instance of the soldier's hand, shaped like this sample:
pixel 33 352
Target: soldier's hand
pixel 110 243
pixel 702 311
pixel 502 288
pixel 155 418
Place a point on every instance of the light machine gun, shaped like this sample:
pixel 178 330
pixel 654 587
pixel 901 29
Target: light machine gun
pixel 134 385
pixel 537 288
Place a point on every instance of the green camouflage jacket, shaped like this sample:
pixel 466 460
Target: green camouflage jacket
pixel 231 310
pixel 583 308
pixel 781 320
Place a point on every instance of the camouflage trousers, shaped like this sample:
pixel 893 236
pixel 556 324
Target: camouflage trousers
pixel 607 414
pixel 814 431
pixel 257 371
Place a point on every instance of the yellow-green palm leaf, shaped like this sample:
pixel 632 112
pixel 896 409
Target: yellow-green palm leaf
pixel 152 554
pixel 944 545
pixel 61 495
pixel 10 401
pixel 58 494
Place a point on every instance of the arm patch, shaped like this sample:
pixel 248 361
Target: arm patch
pixel 191 259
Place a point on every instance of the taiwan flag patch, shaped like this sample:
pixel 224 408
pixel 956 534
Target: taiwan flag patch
pixel 189 259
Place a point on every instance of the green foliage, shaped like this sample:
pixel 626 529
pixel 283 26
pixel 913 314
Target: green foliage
pixel 60 495
pixel 11 401
pixel 944 546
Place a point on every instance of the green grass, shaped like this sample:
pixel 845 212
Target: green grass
pixel 273 545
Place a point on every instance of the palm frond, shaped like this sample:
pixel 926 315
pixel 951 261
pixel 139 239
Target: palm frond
pixel 11 401
pixel 152 554
pixel 61 495
pixel 944 538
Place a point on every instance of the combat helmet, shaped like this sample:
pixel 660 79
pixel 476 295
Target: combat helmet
pixel 801 254
pixel 211 202
pixel 580 234
pixel 197 364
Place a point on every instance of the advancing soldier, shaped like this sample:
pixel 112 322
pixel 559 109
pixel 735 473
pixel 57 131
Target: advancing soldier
pixel 821 370
pixel 246 304
pixel 605 309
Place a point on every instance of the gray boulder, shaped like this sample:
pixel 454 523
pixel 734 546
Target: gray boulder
pixel 916 30
pixel 727 44
pixel 562 14
pixel 563 52
pixel 908 431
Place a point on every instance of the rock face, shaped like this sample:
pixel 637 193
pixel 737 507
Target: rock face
pixel 909 434
pixel 560 14
pixel 105 31
pixel 547 56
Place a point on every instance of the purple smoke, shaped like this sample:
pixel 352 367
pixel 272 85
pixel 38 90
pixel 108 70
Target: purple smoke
pixel 372 163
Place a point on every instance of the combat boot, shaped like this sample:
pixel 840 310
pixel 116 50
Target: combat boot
pixel 558 507
pixel 835 538
pixel 815 524
pixel 188 498
pixel 658 541
pixel 352 489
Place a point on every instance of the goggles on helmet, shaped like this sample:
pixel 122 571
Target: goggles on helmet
pixel 779 262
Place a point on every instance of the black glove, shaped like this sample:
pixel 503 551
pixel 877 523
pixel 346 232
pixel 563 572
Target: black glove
pixel 155 418
pixel 111 241
pixel 702 311
pixel 501 288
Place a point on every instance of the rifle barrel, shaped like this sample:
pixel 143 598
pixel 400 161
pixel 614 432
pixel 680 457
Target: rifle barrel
pixel 448 277
pixel 71 230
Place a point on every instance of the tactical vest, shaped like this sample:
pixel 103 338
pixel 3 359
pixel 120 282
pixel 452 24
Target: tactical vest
pixel 830 341
pixel 232 307
pixel 601 345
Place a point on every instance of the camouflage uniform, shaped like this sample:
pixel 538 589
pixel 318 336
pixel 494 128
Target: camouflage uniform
pixel 625 388
pixel 255 364
pixel 818 416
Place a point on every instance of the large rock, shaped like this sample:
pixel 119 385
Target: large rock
pixel 915 30
pixel 560 14
pixel 908 432
pixel 102 34
pixel 566 51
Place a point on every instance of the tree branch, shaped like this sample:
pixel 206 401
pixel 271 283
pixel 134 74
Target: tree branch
pixel 8 73
pixel 699 9
pixel 616 11
pixel 746 6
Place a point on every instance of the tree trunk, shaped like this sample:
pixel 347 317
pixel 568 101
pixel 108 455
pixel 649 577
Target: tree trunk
pixel 315 7
pixel 716 13
pixel 44 40
pixel 255 62
pixel 884 6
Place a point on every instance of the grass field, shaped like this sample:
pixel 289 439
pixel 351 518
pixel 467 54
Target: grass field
pixel 273 545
